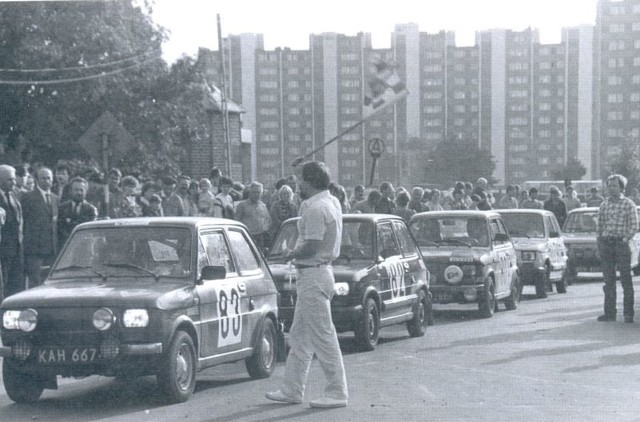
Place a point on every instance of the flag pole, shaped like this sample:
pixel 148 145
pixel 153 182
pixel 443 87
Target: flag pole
pixel 223 99
pixel 300 159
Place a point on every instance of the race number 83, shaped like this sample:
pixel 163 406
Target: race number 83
pixel 229 316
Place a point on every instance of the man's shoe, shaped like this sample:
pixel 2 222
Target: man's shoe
pixel 328 403
pixel 628 319
pixel 280 397
pixel 606 318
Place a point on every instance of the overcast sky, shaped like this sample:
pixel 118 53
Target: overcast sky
pixel 288 23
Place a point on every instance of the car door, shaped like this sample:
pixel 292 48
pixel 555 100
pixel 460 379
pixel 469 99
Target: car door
pixel 557 252
pixel 220 300
pixel 414 267
pixel 392 270
pixel 504 256
pixel 252 280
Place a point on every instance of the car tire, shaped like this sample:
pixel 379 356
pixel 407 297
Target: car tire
pixel 542 283
pixel 561 285
pixel 511 302
pixel 430 317
pixel 487 303
pixel 20 387
pixel 417 326
pixel 177 379
pixel 261 363
pixel 368 329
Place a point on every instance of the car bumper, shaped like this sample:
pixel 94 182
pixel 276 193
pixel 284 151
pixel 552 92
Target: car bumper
pixel 465 293
pixel 530 273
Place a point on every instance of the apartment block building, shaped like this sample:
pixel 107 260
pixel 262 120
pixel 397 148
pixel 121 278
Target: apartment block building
pixel 534 106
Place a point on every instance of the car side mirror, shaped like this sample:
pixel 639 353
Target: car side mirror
pixel 501 237
pixel 213 272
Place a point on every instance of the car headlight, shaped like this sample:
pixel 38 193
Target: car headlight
pixel 25 320
pixel 468 270
pixel 528 256
pixel 135 318
pixel 10 320
pixel 103 319
pixel 341 289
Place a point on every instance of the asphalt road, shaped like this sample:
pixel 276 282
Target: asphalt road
pixel 549 360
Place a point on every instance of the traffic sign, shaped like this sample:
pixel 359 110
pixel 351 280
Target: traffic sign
pixel 376 147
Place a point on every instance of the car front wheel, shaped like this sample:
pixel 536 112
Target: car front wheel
pixel 20 387
pixel 487 304
pixel 261 363
pixel 417 326
pixel 368 329
pixel 177 378
pixel 511 303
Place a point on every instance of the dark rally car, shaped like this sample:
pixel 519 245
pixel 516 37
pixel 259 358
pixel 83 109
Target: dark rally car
pixel 145 296
pixel 381 278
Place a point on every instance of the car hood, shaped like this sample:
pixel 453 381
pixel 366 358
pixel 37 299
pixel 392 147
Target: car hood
pixel 528 244
pixel 579 238
pixel 120 292
pixel 342 272
pixel 435 255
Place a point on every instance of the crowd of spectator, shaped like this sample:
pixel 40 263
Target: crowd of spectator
pixel 40 207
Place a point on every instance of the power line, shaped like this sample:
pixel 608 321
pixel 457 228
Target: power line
pixel 91 66
pixel 80 78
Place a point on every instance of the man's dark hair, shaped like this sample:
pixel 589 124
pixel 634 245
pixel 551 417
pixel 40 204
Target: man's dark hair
pixel 148 185
pixel 224 180
pixel 78 179
pixel 168 180
pixel 22 170
pixel 215 172
pixel 63 167
pixel 316 174
pixel 532 191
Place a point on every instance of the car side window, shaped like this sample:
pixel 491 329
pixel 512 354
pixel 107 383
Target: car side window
pixel 497 226
pixel 407 245
pixel 217 251
pixel 387 244
pixel 246 256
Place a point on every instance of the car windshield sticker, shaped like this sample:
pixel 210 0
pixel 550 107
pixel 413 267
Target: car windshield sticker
pixel 162 251
pixel 229 314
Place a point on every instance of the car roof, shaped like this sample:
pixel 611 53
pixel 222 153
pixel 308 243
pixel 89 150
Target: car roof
pixel 585 209
pixel 453 213
pixel 374 218
pixel 524 211
pixel 189 222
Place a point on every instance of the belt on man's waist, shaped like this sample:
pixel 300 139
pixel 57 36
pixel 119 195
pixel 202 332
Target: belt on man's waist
pixel 303 266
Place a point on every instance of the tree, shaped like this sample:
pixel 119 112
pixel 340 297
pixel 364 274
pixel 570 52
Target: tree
pixel 626 162
pixel 458 159
pixel 109 55
pixel 572 170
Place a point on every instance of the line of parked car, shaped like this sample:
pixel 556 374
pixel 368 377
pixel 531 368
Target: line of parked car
pixel 172 296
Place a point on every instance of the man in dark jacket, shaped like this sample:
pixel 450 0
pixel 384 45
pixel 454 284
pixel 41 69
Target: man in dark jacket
pixel 11 252
pixel 76 211
pixel 40 212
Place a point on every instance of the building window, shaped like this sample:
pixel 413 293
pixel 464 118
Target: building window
pixel 634 97
pixel 433 109
pixel 616 45
pixel 614 98
pixel 614 80
pixel 544 106
pixel 616 27
pixel 614 115
pixel 635 115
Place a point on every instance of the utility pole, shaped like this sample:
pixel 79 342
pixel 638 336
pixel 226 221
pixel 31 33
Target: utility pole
pixel 223 99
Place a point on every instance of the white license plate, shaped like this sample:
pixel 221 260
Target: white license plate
pixel 67 355
pixel 442 297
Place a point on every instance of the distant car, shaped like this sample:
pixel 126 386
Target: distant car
pixel 144 296
pixel 582 246
pixel 471 258
pixel 381 278
pixel 542 256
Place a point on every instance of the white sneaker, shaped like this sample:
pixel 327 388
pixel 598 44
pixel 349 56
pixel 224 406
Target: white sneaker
pixel 280 397
pixel 328 403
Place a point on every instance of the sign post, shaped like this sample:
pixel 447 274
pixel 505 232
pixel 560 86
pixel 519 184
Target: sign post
pixel 376 148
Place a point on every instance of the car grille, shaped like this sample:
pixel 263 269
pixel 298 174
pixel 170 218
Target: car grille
pixel 65 319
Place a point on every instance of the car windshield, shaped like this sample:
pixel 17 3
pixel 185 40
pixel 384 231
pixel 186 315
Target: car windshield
pixel 581 222
pixel 357 240
pixel 524 225
pixel 455 230
pixel 126 251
